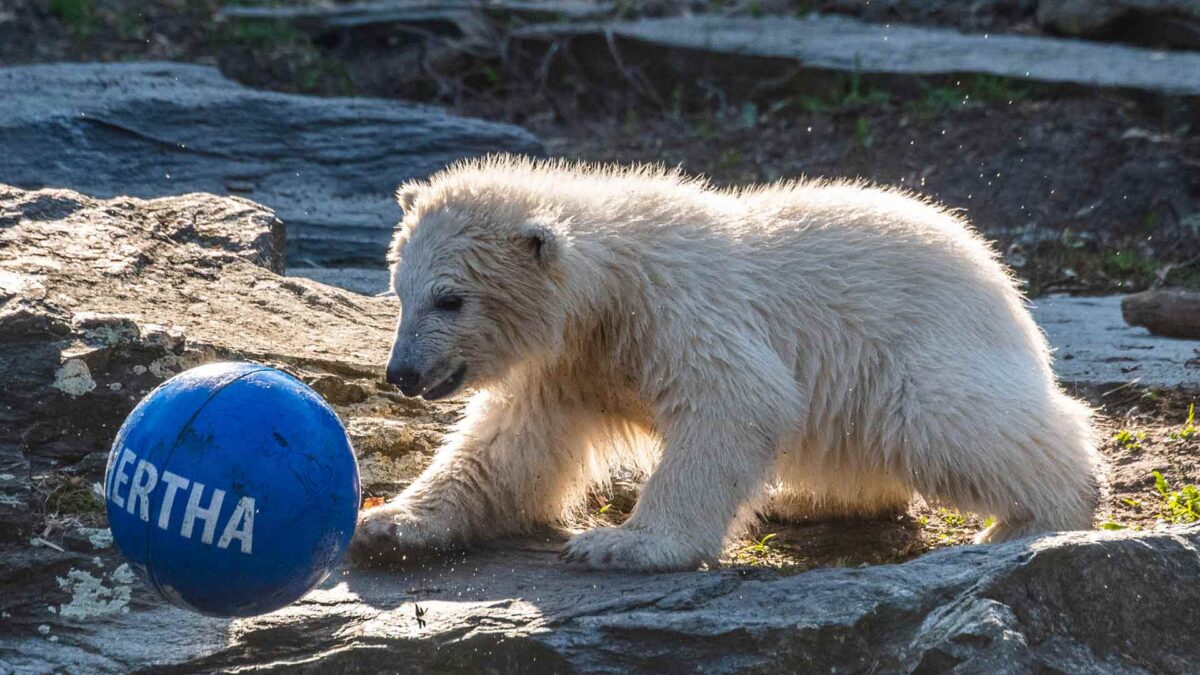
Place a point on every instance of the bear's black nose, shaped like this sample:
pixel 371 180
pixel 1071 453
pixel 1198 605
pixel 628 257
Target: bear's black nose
pixel 405 377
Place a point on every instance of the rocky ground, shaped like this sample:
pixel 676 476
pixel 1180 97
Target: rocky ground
pixel 1083 189
pixel 101 300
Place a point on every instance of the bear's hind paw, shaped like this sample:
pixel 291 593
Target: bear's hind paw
pixel 626 548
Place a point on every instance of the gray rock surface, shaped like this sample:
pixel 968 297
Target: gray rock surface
pixel 1093 344
pixel 1171 22
pixel 328 167
pixel 364 280
pixel 843 44
pixel 1076 603
pixel 102 300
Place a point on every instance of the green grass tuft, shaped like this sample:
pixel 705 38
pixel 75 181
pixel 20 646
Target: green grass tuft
pixel 1178 506
pixel 1130 440
pixel 1189 429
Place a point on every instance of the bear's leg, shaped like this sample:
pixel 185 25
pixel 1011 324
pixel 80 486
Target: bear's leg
pixel 1031 467
pixel 511 463
pixel 721 439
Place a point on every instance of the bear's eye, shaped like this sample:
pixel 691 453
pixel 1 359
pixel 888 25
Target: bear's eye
pixel 448 303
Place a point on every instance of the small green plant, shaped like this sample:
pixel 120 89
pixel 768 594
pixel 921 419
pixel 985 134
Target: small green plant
pixel 676 107
pixel 996 89
pixel 729 159
pixel 936 99
pixel 759 547
pixel 1111 525
pixel 80 16
pixel 604 509
pixel 863 136
pixel 1131 502
pixel 857 95
pixel 1127 264
pixel 1130 440
pixel 952 518
pixel 263 33
pixel 1189 429
pixel 1178 506
pixel 850 93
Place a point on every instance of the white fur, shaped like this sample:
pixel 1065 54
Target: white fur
pixel 833 345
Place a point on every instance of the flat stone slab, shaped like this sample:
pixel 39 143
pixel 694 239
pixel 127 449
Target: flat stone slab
pixel 1074 603
pixel 326 166
pixel 364 280
pixel 844 44
pixel 1093 344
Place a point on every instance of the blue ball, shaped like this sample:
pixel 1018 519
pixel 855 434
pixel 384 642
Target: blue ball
pixel 232 489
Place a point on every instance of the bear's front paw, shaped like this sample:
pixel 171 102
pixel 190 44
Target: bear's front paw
pixel 627 548
pixel 391 532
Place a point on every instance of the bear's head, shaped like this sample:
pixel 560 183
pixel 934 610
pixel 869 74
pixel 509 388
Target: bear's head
pixel 479 277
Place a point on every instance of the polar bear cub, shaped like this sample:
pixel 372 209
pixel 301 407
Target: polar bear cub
pixel 828 347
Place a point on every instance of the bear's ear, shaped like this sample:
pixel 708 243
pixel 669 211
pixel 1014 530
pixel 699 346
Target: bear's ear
pixel 406 194
pixel 542 242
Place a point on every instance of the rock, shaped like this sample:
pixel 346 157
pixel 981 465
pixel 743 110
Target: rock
pixel 833 43
pixel 978 16
pixel 1075 603
pixel 1172 23
pixel 327 166
pixel 364 280
pixel 100 301
pixel 337 390
pixel 1094 346
pixel 1173 313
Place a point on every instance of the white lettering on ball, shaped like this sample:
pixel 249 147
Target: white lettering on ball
pixel 174 483
pixel 119 478
pixel 208 514
pixel 147 482
pixel 240 526
pixel 144 480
